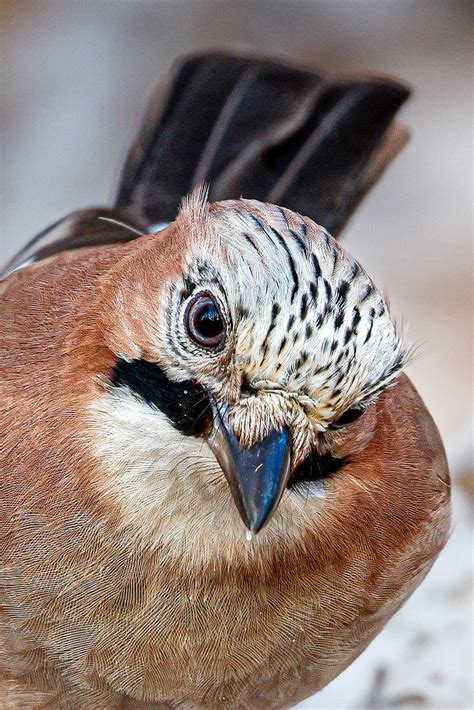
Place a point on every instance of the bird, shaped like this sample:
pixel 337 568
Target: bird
pixel 217 482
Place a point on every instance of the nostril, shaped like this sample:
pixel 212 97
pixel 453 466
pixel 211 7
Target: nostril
pixel 255 386
pixel 247 388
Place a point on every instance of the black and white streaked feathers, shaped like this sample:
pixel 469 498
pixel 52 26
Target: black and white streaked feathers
pixel 305 316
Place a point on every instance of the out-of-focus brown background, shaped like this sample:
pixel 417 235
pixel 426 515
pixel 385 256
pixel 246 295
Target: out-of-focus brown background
pixel 75 77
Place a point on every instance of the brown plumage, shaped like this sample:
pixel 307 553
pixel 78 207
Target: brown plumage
pixel 127 580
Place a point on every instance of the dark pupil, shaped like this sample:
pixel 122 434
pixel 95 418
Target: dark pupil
pixel 205 323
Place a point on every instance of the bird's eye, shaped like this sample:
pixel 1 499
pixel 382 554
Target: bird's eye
pixel 349 416
pixel 204 321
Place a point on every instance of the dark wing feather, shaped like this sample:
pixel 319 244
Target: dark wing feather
pixel 336 150
pixel 84 228
pixel 267 105
pixel 248 127
pixel 261 129
pixel 159 170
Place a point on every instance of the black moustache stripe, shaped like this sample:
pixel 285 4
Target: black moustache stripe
pixel 185 404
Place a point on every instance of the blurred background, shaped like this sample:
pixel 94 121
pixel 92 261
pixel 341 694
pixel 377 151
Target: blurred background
pixel 75 78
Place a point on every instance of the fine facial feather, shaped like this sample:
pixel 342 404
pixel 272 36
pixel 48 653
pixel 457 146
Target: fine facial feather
pixel 309 387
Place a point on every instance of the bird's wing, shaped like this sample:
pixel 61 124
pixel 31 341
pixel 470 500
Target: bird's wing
pixel 84 228
pixel 264 130
pixel 248 127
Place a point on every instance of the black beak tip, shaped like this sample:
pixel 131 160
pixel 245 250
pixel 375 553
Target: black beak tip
pixel 257 523
pixel 262 491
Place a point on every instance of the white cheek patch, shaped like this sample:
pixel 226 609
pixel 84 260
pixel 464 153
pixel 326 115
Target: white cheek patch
pixel 170 488
pixel 136 432
pixel 147 460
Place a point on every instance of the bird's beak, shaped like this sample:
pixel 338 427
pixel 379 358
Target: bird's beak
pixel 257 476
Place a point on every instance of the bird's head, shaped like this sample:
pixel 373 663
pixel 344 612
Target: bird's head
pixel 250 350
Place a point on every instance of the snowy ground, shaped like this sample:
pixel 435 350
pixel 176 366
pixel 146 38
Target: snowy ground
pixel 75 75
